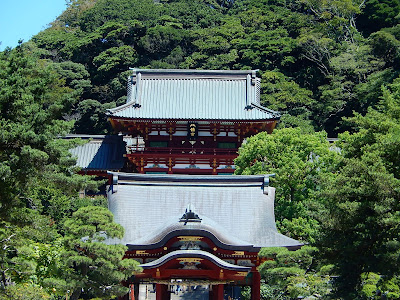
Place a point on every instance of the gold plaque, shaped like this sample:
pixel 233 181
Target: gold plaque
pixel 190 260
pixel 190 238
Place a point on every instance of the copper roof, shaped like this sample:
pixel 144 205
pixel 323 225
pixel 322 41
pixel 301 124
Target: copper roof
pixel 193 95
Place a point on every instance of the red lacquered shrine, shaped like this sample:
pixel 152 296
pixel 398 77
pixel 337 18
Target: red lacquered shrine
pixel 190 121
pixel 196 236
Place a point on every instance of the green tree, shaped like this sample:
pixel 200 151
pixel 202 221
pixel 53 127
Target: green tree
pixel 214 47
pixel 298 159
pixel 115 59
pixel 339 16
pixel 291 274
pixel 378 131
pixel 282 94
pixel 92 117
pixel 378 14
pixel 351 71
pixel 26 291
pixel 19 261
pixel 375 286
pixel 33 99
pixel 361 224
pixel 9 264
pixel 385 45
pixel 76 77
pixel 95 268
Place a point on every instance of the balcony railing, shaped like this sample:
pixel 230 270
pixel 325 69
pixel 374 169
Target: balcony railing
pixel 181 151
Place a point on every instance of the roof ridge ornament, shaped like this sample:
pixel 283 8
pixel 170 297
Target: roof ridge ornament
pixel 138 94
pixel 266 182
pixel 190 215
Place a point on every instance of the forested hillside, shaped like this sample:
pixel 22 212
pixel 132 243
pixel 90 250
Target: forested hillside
pixel 319 60
pixel 330 66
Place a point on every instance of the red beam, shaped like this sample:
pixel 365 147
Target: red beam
pixel 180 151
pixel 190 171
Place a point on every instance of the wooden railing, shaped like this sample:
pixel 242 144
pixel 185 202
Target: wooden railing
pixel 179 151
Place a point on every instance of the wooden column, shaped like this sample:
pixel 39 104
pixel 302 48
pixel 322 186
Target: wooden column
pixel 136 294
pixel 255 287
pixel 162 292
pixel 217 292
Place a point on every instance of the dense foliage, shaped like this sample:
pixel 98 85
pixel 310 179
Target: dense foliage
pixel 39 190
pixel 92 266
pixel 298 159
pixel 328 66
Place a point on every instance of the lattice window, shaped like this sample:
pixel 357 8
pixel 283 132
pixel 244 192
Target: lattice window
pixel 258 90
pixel 129 89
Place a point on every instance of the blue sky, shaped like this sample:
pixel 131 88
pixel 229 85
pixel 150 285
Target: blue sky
pixel 22 19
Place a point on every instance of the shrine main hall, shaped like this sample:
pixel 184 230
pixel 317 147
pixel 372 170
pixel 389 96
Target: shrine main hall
pixel 189 222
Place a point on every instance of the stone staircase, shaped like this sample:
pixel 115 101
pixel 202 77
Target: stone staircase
pixel 200 293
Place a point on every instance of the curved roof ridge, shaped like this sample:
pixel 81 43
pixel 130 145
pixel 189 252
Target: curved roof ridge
pixel 265 109
pixel 174 227
pixel 193 253
pixel 121 107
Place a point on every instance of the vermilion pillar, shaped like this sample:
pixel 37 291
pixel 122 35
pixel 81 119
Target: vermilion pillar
pixel 255 287
pixel 132 292
pixel 162 292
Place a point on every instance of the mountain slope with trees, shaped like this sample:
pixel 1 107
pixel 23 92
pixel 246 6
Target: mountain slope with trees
pixel 316 65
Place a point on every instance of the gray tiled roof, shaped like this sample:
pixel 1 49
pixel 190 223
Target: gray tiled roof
pixel 100 152
pixel 241 205
pixel 193 95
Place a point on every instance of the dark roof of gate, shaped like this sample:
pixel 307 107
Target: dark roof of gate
pixel 99 153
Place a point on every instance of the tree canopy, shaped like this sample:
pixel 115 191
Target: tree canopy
pixel 39 185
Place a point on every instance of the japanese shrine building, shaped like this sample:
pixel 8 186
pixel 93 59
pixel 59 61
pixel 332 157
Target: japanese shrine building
pixel 191 121
pixel 199 229
pixel 184 225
